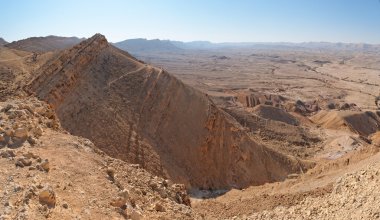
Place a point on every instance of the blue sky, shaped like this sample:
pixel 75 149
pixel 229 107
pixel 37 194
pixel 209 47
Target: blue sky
pixel 187 20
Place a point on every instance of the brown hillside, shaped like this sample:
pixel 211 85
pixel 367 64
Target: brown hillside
pixel 15 69
pixel 144 115
pixel 273 113
pixel 363 123
pixel 44 44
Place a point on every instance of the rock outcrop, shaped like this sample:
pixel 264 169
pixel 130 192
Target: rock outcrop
pixel 252 99
pixel 142 114
pixel 362 123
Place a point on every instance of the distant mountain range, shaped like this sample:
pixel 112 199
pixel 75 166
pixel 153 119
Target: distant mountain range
pixel 140 45
pixel 143 45
pixel 44 44
pixel 2 41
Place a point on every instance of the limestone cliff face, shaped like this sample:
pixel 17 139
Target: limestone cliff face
pixel 144 115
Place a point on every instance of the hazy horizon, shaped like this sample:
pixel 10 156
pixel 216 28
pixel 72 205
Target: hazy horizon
pixel 240 21
pixel 230 42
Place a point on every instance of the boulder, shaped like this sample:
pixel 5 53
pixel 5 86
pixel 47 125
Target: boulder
pixel 44 166
pixel 30 155
pixel 38 131
pixel 47 197
pixel 124 194
pixel 32 141
pixel 111 173
pixel 7 154
pixel 21 133
pixel 65 205
pixel 159 208
pixel 23 162
pixel 118 202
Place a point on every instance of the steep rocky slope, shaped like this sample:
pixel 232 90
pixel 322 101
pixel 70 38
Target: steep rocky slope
pixel 354 196
pixel 363 123
pixel 44 44
pixel 284 137
pixel 14 66
pixel 15 69
pixel 47 173
pixel 144 115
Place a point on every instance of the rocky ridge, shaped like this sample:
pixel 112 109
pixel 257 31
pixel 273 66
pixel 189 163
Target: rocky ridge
pixel 167 127
pixel 44 44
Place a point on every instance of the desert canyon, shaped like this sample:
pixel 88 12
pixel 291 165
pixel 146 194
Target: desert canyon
pixel 154 129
